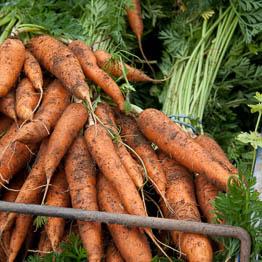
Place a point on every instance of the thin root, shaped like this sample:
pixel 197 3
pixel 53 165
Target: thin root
pixel 46 190
pixel 144 56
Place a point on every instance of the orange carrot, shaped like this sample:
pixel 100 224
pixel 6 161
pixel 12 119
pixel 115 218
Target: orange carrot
pixel 61 62
pixel 12 56
pixel 7 105
pixel 5 123
pixel 180 195
pixel 137 26
pixel 88 62
pixel 13 156
pixel 6 138
pixel 206 192
pixel 81 177
pixel 62 137
pixel 112 254
pixel 19 233
pixel 58 195
pixel 109 201
pixel 116 68
pixel 135 19
pixel 54 103
pixel 44 244
pixel 106 115
pixel 215 151
pixel 26 99
pixel 142 147
pixel 170 138
pixel 103 152
pixel 33 71
pixel 10 196
pixel 30 192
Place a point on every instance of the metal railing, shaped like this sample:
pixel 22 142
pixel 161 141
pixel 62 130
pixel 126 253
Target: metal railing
pixel 136 221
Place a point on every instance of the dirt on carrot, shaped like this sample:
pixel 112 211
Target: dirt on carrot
pixel 110 201
pixel 58 195
pixel 12 56
pixel 103 152
pixel 13 156
pixel 206 193
pixel 5 123
pixel 134 138
pixel 81 177
pixel 62 137
pixel 55 100
pixel 112 254
pixel 7 105
pixel 33 71
pixel 174 141
pixel 89 65
pixel 215 151
pixel 116 68
pixel 106 115
pixel 26 99
pixel 63 64
pixel 44 244
pixel 181 197
pixel 19 233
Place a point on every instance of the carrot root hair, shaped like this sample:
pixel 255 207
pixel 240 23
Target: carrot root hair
pixel 48 180
pixel 144 56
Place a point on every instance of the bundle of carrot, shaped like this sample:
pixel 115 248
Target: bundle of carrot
pixel 59 148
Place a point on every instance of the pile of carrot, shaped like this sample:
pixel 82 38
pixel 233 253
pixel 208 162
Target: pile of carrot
pixel 59 148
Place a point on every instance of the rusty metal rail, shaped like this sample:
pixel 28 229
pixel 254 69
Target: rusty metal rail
pixel 137 221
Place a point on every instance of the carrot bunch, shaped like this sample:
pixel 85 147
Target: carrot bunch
pixel 57 149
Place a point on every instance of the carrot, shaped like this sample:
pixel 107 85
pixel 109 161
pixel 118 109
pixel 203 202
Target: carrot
pixel 54 103
pixel 7 105
pixel 19 233
pixel 116 68
pixel 136 23
pixel 180 190
pixel 58 59
pixel 112 254
pixel 6 138
pixel 206 192
pixel 106 115
pixel 58 195
pixel 33 71
pixel 44 244
pixel 62 137
pixel 110 201
pixel 12 56
pixel 180 195
pixel 103 152
pixel 88 62
pixel 5 123
pixel 31 190
pixel 26 99
pixel 81 177
pixel 142 147
pixel 216 152
pixel 13 156
pixel 170 138
pixel 10 196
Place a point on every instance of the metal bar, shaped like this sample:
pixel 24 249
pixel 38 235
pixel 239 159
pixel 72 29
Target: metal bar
pixel 137 221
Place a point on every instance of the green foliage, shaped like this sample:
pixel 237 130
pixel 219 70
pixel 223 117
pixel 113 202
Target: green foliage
pixel 241 206
pixel 253 138
pixel 40 221
pixel 164 259
pixel 72 250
